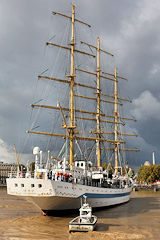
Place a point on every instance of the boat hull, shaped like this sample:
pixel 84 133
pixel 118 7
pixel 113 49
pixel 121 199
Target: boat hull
pixel 74 226
pixel 51 195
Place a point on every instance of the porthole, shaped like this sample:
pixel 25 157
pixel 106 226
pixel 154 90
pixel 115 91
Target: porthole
pixel 16 185
pixel 32 185
pixel 22 185
pixel 39 185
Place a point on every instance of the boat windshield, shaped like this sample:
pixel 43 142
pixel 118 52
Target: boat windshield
pixel 84 213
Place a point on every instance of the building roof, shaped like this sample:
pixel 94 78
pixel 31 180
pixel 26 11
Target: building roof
pixel 147 163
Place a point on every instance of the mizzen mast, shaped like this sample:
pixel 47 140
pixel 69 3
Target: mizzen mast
pixel 116 124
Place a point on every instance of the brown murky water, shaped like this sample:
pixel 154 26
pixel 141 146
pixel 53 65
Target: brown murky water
pixel 137 219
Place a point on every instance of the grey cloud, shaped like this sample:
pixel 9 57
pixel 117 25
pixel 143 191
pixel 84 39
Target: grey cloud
pixel 128 28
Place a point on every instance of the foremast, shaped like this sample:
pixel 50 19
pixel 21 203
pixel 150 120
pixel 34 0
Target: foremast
pixel 72 76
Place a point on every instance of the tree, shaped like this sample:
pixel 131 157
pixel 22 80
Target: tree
pixel 148 174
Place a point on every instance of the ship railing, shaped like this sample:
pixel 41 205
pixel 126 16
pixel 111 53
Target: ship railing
pixel 20 175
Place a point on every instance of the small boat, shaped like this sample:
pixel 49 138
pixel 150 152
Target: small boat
pixel 85 221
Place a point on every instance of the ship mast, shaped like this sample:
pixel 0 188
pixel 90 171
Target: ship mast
pixel 97 116
pixel 116 123
pixel 98 105
pixel 72 76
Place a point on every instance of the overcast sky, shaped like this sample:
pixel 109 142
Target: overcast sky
pixel 130 29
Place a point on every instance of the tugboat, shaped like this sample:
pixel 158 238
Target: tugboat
pixel 85 221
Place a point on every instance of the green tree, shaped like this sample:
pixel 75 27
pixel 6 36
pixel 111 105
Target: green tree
pixel 148 174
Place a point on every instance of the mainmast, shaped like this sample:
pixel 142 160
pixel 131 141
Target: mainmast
pixel 98 106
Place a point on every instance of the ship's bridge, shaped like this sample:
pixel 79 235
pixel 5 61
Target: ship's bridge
pixel 83 164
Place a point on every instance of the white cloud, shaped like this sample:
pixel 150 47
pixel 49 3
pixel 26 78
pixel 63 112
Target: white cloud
pixel 155 69
pixel 146 106
pixel 6 153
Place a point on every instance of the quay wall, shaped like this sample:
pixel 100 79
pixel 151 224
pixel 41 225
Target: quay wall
pixel 141 187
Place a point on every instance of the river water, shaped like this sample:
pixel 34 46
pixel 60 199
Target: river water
pixel 137 219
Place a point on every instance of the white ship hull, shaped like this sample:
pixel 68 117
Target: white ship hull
pixel 51 195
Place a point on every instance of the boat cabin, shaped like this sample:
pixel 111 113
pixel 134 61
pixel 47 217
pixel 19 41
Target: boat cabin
pixel 85 211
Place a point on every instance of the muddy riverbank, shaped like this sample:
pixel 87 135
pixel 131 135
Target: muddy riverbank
pixel 137 219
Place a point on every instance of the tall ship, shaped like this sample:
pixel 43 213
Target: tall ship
pixel 91 133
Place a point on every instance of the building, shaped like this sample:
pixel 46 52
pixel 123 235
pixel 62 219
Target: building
pixel 5 169
pixel 147 163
